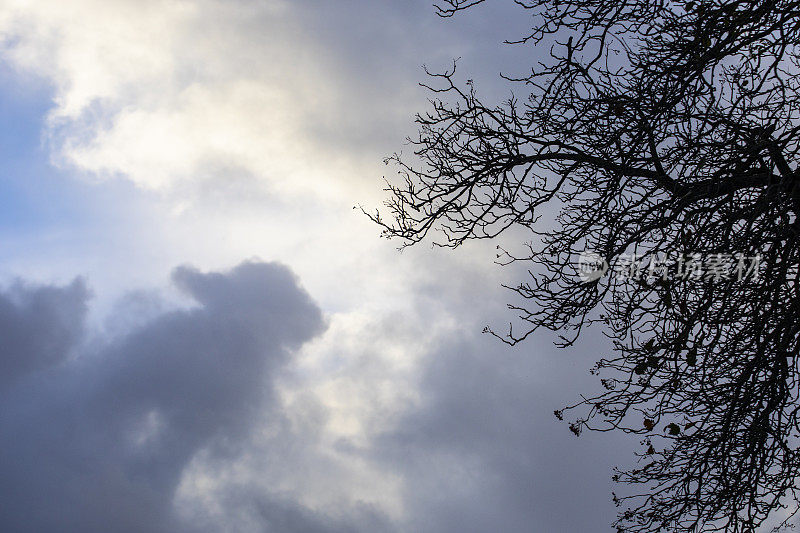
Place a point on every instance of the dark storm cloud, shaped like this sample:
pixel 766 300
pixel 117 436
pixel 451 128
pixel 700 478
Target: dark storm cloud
pixel 39 327
pixel 96 438
pixel 483 452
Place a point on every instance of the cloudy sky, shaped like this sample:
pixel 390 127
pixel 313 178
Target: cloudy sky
pixel 199 332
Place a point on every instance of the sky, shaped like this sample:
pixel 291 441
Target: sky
pixel 200 332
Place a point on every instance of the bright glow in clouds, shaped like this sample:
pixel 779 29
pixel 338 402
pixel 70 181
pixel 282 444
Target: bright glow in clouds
pixel 168 92
pixel 249 129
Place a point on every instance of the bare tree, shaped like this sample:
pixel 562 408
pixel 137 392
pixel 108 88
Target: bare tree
pixel 665 132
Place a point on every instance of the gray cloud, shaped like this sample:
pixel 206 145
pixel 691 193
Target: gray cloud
pixel 98 441
pixel 39 327
pixel 98 436
pixel 483 451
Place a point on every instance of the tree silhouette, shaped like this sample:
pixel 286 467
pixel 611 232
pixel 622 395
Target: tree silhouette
pixel 665 136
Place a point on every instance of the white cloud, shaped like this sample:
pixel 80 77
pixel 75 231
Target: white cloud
pixel 170 93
